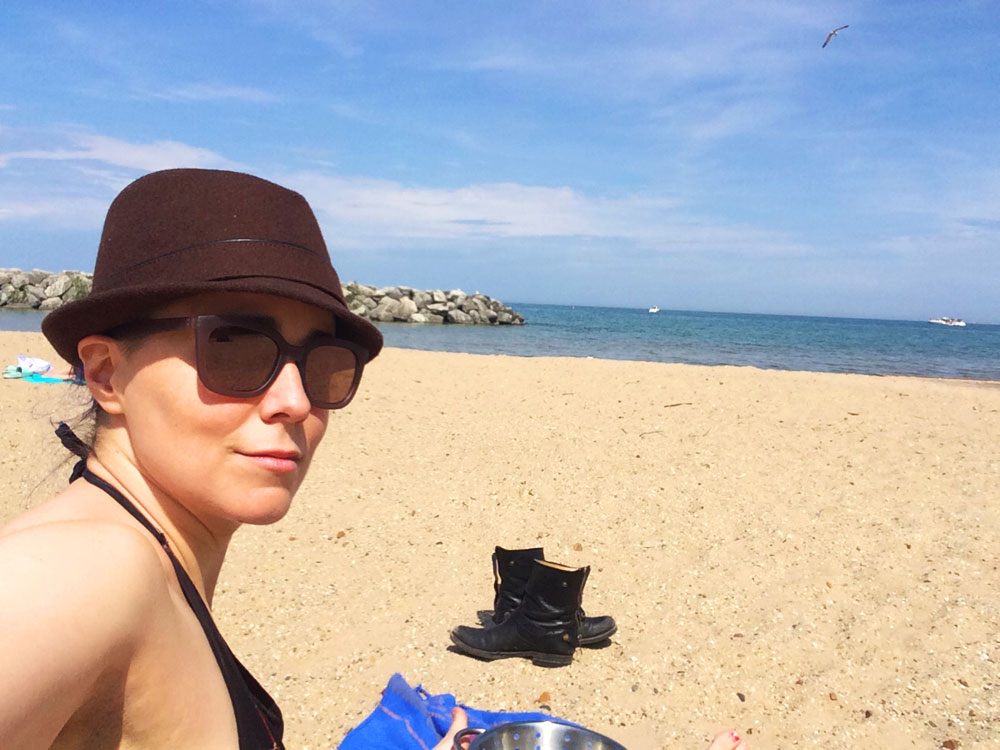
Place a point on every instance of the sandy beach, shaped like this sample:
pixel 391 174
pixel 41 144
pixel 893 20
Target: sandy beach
pixel 811 559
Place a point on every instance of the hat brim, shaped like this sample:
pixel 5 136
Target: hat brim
pixel 102 311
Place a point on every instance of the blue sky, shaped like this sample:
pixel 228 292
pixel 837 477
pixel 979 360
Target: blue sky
pixel 692 155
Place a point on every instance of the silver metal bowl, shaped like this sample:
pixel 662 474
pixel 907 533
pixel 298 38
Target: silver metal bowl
pixel 536 735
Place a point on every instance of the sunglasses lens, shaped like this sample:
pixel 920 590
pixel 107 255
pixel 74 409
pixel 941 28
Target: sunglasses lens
pixel 329 374
pixel 237 360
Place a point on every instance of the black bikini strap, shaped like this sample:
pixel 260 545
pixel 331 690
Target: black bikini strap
pixel 77 446
pixel 127 505
pixel 239 682
pixel 245 692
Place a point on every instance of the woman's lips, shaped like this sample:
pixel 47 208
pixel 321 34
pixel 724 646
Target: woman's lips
pixel 277 461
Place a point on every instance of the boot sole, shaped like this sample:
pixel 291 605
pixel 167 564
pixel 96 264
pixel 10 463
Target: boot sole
pixel 538 658
pixel 595 639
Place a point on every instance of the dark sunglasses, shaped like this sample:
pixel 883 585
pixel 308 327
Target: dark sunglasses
pixel 240 356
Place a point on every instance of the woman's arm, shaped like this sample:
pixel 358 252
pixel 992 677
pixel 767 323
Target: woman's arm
pixel 75 597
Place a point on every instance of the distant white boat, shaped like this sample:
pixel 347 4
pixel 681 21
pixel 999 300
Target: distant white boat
pixel 655 309
pixel 948 321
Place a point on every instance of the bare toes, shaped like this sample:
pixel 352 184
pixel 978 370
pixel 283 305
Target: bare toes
pixel 727 741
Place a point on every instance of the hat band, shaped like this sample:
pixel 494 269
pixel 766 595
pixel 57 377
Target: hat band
pixel 216 260
pixel 202 245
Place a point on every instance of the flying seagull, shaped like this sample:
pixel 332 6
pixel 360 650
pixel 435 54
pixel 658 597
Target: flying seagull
pixel 833 33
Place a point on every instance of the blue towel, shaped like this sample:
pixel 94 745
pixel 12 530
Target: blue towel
pixel 408 718
pixel 34 377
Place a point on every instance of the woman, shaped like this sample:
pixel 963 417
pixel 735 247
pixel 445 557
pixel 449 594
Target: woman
pixel 214 344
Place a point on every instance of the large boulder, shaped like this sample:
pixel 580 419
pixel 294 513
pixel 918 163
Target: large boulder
pixel 421 299
pixel 390 291
pixel 58 285
pixel 17 298
pixel 386 310
pixel 473 303
pixel 407 307
pixel 350 292
pixel 459 317
pixel 35 294
pixel 50 303
pixel 360 290
pixel 79 287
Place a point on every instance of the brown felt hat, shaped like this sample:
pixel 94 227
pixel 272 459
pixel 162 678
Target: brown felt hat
pixel 179 232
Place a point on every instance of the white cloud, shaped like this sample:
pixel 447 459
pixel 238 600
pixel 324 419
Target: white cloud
pixel 366 212
pixel 114 151
pixel 79 213
pixel 511 61
pixel 501 209
pixel 71 185
pixel 350 111
pixel 206 92
pixel 709 116
pixel 330 23
pixel 641 49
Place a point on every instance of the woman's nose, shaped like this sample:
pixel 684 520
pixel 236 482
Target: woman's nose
pixel 286 396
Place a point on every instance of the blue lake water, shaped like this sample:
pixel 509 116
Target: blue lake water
pixel 784 342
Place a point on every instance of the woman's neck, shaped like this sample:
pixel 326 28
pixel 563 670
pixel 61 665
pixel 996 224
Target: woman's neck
pixel 200 548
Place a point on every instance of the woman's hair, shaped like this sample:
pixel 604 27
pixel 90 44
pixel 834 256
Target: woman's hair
pixel 86 424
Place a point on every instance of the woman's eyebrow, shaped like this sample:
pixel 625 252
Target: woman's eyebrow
pixel 322 332
pixel 274 323
pixel 308 334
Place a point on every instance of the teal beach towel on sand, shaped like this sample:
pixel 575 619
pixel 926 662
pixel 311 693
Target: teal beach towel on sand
pixel 36 378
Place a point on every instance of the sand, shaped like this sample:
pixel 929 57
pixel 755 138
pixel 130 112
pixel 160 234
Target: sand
pixel 808 558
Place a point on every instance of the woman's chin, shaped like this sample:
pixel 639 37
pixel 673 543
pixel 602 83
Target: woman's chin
pixel 263 506
pixel 264 520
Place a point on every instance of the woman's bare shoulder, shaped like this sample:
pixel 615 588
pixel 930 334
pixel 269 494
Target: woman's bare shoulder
pixel 103 574
pixel 73 561
pixel 79 554
pixel 77 599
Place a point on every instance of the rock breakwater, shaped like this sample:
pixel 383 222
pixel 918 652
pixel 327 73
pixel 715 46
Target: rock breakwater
pixel 43 290
pixel 406 305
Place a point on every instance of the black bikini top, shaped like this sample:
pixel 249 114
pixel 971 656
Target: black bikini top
pixel 258 718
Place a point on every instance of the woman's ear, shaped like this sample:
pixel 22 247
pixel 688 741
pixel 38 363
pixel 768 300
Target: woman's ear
pixel 101 357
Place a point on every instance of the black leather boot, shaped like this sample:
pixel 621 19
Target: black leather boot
pixel 511 568
pixel 545 628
